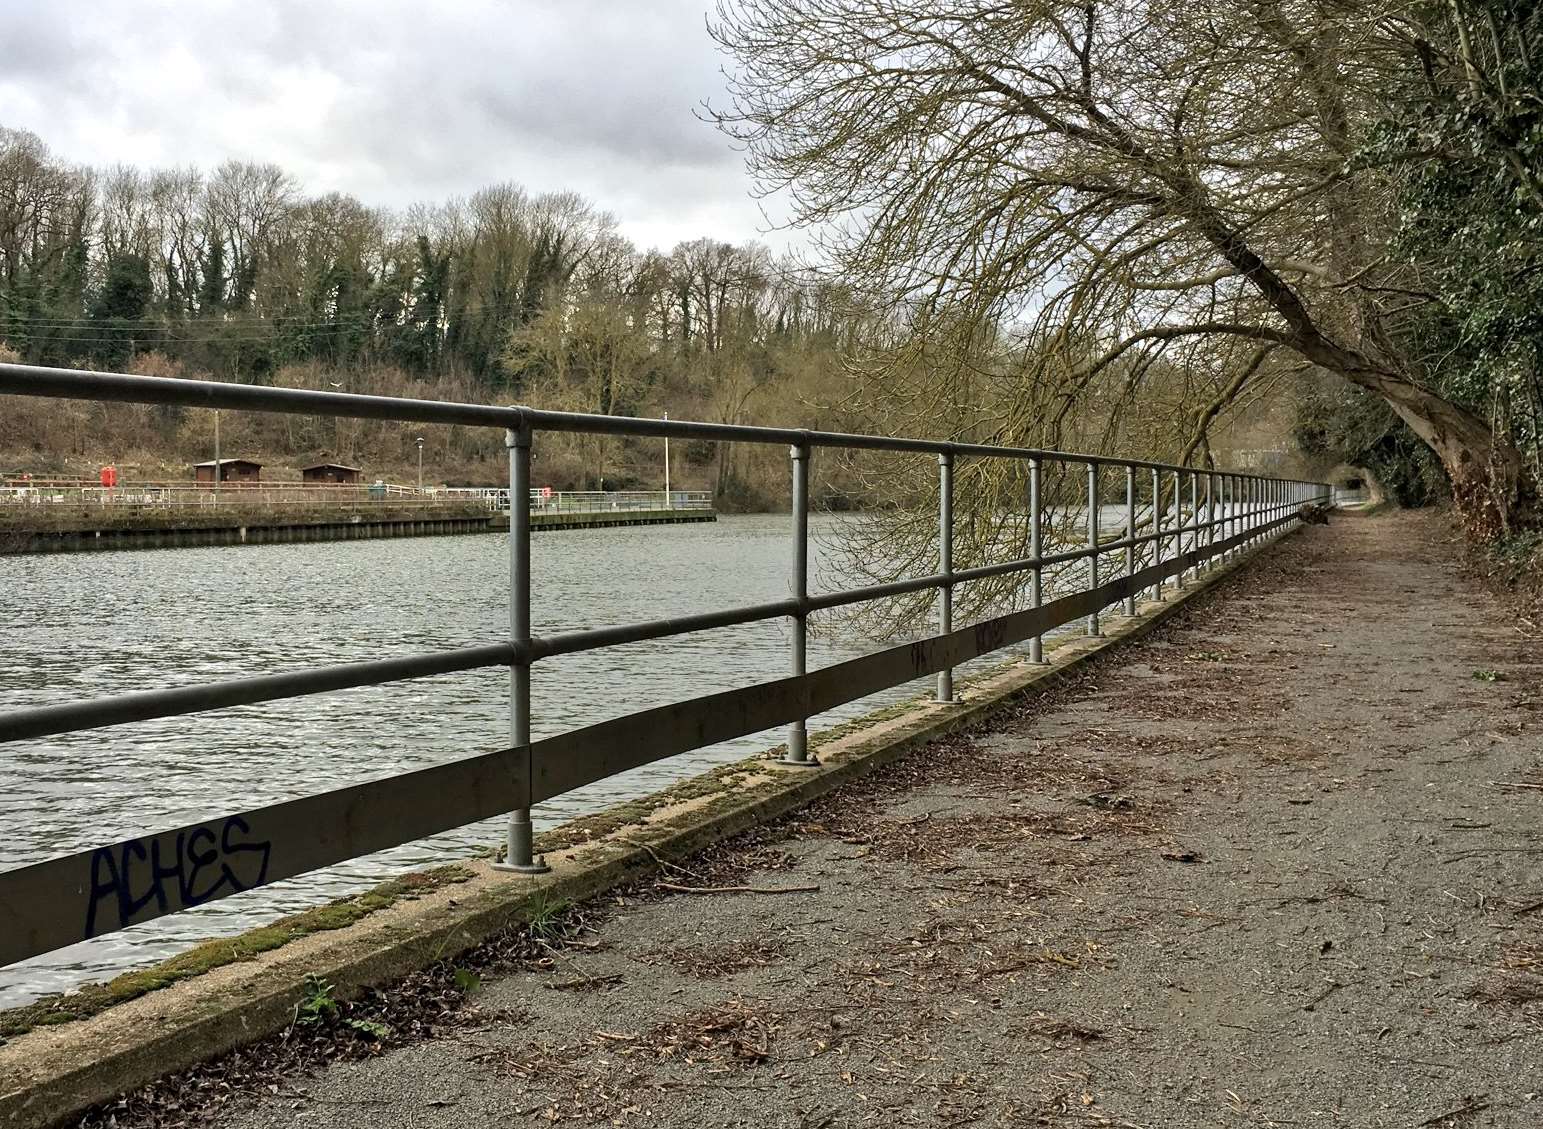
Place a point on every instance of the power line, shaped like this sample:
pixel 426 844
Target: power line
pixel 69 338
pixel 152 323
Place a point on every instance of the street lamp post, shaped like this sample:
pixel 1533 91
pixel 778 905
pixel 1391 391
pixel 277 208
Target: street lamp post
pixel 420 464
pixel 666 465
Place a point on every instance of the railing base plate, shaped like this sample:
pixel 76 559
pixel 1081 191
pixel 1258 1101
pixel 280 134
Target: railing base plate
pixel 537 867
pixel 811 761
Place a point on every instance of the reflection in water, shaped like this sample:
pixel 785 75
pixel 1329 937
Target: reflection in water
pixel 89 625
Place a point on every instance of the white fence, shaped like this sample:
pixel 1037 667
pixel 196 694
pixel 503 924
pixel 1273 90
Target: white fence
pixel 166 494
pixel 545 500
pixel 159 495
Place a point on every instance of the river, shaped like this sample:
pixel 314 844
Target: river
pixel 93 624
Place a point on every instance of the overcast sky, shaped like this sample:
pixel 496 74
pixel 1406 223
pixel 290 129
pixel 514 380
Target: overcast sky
pixel 395 100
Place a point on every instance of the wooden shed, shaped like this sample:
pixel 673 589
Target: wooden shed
pixel 329 472
pixel 231 470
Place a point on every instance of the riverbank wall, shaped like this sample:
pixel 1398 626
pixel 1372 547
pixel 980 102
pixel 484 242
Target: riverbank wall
pixel 88 529
pixel 603 519
pixel 64 1062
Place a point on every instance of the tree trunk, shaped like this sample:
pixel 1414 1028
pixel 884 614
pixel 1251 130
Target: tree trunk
pixel 1489 479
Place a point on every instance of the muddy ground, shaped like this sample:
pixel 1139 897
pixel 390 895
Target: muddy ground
pixel 1280 863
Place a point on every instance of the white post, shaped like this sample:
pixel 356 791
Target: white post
pixel 666 465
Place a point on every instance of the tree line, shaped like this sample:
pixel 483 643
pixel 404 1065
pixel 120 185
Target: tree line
pixel 237 273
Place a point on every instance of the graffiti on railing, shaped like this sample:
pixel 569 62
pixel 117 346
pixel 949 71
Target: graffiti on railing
pixel 175 870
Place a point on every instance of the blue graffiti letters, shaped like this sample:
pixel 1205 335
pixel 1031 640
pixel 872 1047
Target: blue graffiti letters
pixel 173 871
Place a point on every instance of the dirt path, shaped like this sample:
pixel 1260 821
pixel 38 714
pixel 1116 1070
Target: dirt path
pixel 1278 864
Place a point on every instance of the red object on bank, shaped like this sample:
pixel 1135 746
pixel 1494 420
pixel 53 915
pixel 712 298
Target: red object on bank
pixel 109 476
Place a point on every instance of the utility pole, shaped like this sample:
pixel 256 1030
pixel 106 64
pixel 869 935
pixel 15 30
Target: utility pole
pixel 420 464
pixel 216 456
pixel 666 465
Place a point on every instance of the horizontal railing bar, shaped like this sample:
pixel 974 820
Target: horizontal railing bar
pixel 593 638
pixel 60 901
pixel 45 721
pixel 827 600
pixel 31 380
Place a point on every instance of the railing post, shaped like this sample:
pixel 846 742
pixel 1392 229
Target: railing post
pixel 1194 520
pixel 1242 520
pixel 1093 542
pixel 1157 529
pixel 1210 518
pixel 1231 525
pixel 1249 504
pixel 1130 535
pixel 1036 590
pixel 1221 515
pixel 798 731
pixel 946 563
pixel 1178 525
pixel 518 846
pixel 1240 528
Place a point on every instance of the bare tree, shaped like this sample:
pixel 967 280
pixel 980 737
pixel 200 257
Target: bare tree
pixel 1059 195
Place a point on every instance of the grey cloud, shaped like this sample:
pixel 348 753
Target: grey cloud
pixel 394 100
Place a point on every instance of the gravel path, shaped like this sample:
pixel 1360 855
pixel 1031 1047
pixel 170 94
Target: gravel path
pixel 1276 864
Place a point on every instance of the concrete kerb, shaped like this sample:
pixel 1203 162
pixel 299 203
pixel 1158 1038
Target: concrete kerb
pixel 54 1073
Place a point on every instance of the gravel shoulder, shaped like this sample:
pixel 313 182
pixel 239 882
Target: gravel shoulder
pixel 1277 863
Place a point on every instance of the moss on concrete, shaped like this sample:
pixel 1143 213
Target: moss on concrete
pixel 90 999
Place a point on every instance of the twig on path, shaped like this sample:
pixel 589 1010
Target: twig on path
pixel 1334 986
pixel 1525 910
pixel 587 983
pixel 662 864
pixel 1516 784
pixel 1470 1105
pixel 671 886
pixel 1479 851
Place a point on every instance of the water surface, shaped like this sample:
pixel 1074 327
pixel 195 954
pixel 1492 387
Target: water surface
pixel 93 624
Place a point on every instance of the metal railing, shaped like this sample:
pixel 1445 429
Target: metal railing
pixel 545 500
pixel 1195 517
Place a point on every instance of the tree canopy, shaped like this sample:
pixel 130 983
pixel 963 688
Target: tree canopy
pixel 1075 199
